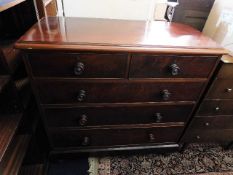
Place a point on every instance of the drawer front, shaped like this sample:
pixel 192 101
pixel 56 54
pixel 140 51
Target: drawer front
pixel 214 122
pixel 221 89
pixel 111 137
pixel 216 107
pixel 57 92
pixel 208 136
pixel 171 66
pixel 78 65
pixel 226 71
pixel 95 116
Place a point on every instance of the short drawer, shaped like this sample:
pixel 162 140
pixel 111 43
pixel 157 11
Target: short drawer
pixel 221 89
pixel 78 65
pixel 112 137
pixel 208 136
pixel 133 114
pixel 216 107
pixel 152 66
pixel 212 122
pixel 68 91
pixel 226 71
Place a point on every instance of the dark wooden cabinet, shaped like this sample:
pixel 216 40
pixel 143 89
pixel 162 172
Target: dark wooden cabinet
pixel 193 12
pixel 105 88
pixel 213 121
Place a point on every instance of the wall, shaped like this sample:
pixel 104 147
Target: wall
pixel 219 25
pixel 113 9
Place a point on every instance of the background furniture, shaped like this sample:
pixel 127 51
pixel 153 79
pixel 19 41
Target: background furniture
pixel 16 20
pixel 213 122
pixel 19 125
pixel 47 8
pixel 193 12
pixel 120 89
pixel 20 128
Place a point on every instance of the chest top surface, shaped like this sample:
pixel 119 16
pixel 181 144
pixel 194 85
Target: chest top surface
pixel 115 35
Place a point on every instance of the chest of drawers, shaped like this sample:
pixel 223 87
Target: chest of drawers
pixel 99 87
pixel 213 121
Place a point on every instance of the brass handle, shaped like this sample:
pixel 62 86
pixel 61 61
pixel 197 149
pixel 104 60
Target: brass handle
pixel 79 68
pixel 158 117
pixel 81 95
pixel 229 90
pixel 86 141
pixel 166 94
pixel 151 137
pixel 174 69
pixel 83 120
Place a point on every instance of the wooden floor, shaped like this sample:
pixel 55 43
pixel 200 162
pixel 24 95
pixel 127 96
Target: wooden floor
pixel 8 126
pixel 14 155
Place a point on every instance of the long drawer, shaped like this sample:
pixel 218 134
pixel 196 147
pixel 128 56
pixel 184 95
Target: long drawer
pixel 221 89
pixel 211 135
pixel 128 114
pixel 105 91
pixel 212 122
pixel 51 64
pixel 215 107
pixel 112 137
pixel 226 71
pixel 154 66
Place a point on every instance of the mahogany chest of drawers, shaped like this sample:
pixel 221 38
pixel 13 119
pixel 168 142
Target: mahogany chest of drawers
pixel 115 84
pixel 213 121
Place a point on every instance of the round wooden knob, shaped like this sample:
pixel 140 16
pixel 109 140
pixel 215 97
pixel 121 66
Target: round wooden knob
pixel 158 117
pixel 174 69
pixel 81 95
pixel 151 137
pixel 83 120
pixel 86 141
pixel 166 94
pixel 79 68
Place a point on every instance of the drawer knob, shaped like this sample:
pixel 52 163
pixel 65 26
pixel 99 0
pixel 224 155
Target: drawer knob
pixel 207 124
pixel 166 94
pixel 81 95
pixel 79 68
pixel 83 120
pixel 86 141
pixel 217 108
pixel 151 137
pixel 198 137
pixel 229 90
pixel 175 69
pixel 158 117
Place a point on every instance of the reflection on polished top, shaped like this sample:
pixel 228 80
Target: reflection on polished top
pixel 115 35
